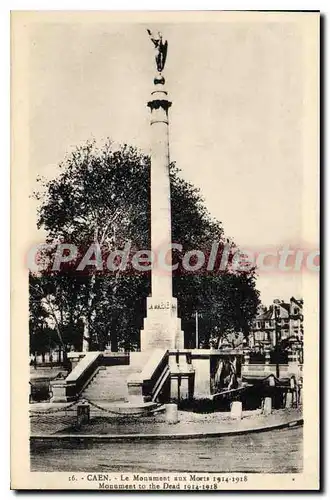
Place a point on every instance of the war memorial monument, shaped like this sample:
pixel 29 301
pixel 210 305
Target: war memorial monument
pixel 163 370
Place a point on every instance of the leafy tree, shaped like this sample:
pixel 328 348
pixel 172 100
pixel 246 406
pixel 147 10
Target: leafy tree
pixel 101 196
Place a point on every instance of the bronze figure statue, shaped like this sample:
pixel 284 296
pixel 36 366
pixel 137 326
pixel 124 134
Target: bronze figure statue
pixel 161 50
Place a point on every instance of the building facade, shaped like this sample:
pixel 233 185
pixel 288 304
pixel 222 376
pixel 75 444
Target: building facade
pixel 288 316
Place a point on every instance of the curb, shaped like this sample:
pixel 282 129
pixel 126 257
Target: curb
pixel 179 435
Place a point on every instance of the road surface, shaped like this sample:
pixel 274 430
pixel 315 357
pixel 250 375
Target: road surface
pixel 268 452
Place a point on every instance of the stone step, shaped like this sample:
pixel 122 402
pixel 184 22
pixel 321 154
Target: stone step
pixel 110 382
pixel 103 388
pixel 104 397
pixel 100 384
pixel 117 376
pixel 96 390
pixel 103 380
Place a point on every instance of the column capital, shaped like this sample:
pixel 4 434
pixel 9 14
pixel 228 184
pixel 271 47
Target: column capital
pixel 159 102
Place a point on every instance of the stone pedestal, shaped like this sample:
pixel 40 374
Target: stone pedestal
pixel 62 391
pixel 171 413
pixel 83 414
pixel 162 327
pixel 267 409
pixel 289 400
pixel 236 411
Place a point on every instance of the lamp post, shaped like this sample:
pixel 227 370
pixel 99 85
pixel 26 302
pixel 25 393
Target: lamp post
pixel 196 329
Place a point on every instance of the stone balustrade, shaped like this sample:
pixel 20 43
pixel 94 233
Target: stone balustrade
pixel 69 389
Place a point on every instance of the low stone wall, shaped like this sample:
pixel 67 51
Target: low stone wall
pixel 263 371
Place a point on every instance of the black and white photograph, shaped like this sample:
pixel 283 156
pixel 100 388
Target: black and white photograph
pixel 165 221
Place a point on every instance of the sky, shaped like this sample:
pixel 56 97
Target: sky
pixel 235 123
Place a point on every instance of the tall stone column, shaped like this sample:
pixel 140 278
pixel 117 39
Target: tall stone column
pixel 160 192
pixel 162 327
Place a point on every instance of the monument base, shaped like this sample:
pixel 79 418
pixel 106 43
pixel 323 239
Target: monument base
pixel 162 327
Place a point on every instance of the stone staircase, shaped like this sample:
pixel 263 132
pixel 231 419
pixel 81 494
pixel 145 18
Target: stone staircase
pixel 109 383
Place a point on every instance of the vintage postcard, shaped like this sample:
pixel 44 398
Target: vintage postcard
pixel 165 250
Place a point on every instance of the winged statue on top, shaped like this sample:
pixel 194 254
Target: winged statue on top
pixel 160 49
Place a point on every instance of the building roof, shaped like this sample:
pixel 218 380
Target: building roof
pixel 285 306
pixel 299 302
pixel 266 314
